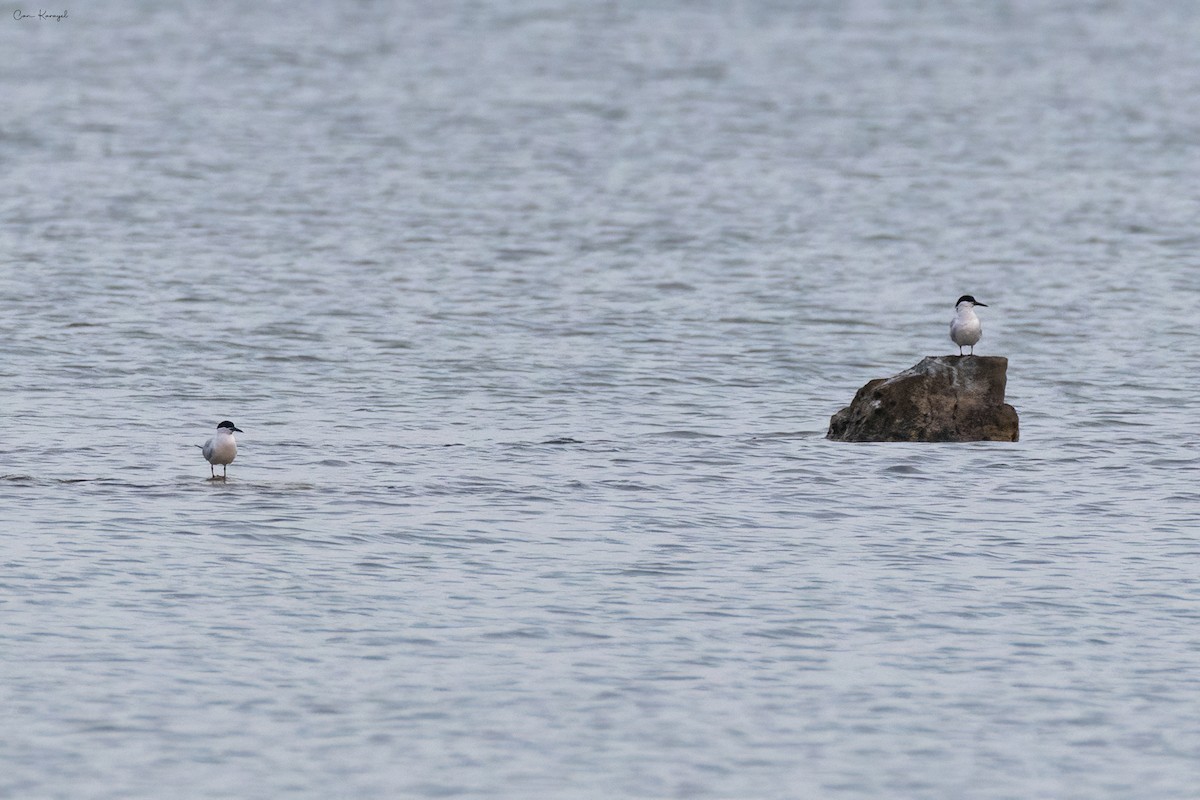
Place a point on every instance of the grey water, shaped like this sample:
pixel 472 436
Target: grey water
pixel 533 315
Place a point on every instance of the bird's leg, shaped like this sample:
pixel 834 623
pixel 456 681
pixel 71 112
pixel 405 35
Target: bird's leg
pixel 212 470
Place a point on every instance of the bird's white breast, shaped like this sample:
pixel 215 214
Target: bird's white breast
pixel 966 329
pixel 220 449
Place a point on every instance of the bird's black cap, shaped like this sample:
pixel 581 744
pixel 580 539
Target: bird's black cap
pixel 968 297
pixel 230 425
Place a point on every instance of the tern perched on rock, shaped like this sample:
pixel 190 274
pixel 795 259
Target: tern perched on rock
pixel 221 449
pixel 965 329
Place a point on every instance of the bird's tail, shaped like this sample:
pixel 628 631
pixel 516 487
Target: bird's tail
pixel 198 445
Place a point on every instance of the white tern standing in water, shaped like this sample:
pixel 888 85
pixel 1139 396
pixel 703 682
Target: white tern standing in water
pixel 966 330
pixel 221 449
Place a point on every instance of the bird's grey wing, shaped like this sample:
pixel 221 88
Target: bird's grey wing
pixel 207 449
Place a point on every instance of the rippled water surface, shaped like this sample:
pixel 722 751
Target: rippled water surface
pixel 534 315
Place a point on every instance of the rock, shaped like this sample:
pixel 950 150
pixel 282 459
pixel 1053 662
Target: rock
pixel 942 399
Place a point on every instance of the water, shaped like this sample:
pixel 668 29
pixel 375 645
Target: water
pixel 534 316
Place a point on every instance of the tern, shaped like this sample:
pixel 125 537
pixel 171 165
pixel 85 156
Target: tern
pixel 965 329
pixel 221 449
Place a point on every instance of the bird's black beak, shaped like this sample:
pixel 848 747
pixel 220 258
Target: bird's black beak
pixel 239 430
pixel 985 305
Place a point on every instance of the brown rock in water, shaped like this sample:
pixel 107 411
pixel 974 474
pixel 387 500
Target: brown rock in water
pixel 942 399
